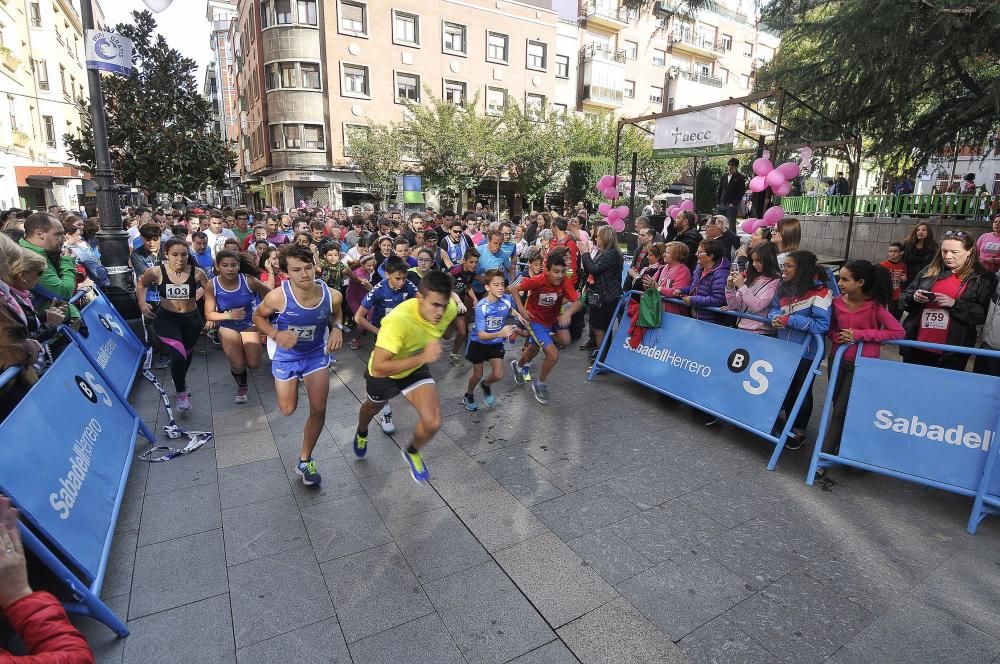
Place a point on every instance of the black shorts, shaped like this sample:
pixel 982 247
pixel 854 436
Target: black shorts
pixel 478 353
pixel 381 390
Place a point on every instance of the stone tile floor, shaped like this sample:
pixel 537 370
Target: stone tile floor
pixel 609 526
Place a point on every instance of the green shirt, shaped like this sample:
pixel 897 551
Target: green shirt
pixel 60 279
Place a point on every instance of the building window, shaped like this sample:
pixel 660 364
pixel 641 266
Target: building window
pixel 748 49
pixel 562 66
pixel 496 99
pixel 49 125
pixel 630 89
pixel 454 38
pixel 265 15
pixel 355 80
pixel 670 104
pixel 353 18
pixel 310 76
pixel 631 50
pixel 349 132
pixel 727 42
pixel 496 47
pixel 406 28
pixel 724 75
pixel 407 87
pixel 12 112
pixel 307 12
pixel 537 55
pixel 289 79
pixel 656 94
pixel 744 81
pixel 659 57
pixel 283 12
pixel 560 109
pixel 35 11
pixel 454 91
pixel 62 78
pixel 276 143
pixel 42 72
pixel 271 81
pixel 312 137
pixel 293 137
pixel 534 106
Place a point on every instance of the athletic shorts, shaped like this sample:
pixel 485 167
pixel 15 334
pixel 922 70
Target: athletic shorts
pixel 238 325
pixel 381 390
pixel 477 353
pixel 294 369
pixel 541 334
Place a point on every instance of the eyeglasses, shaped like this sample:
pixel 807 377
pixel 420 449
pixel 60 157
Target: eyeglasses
pixel 424 260
pixel 959 234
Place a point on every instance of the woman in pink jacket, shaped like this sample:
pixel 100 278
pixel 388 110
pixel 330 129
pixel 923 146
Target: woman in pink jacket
pixel 675 276
pixel 754 293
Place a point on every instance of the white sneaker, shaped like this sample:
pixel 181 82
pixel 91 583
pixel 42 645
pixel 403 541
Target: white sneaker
pixel 385 420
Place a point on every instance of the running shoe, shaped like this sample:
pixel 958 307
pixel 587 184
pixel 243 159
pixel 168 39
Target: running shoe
pixel 385 421
pixel 183 401
pixel 307 471
pixel 541 392
pixel 518 379
pixel 418 470
pixel 456 359
pixel 469 403
pixel 488 394
pixel 241 394
pixel 355 344
pixel 213 336
pixel 795 441
pixel 161 362
pixel 526 373
pixel 360 445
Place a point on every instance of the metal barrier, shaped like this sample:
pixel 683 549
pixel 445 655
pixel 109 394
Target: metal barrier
pixel 976 206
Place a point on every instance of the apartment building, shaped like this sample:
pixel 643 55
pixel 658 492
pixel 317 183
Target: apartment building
pixel 41 78
pixel 220 14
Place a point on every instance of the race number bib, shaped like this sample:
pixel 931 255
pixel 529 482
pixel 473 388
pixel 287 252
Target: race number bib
pixel 494 323
pixel 934 319
pixel 303 332
pixel 548 299
pixel 178 291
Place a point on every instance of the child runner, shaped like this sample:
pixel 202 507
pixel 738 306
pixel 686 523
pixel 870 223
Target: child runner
pixel 390 293
pixel 177 320
pixel 463 274
pixel 307 330
pixel 486 338
pixel 407 342
pixel 229 300
pixel 358 288
pixel 897 274
pixel 547 292
pixel 860 313
pixel 801 307
pixel 425 263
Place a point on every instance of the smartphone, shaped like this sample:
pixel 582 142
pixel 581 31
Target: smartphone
pixel 928 294
pixel 741 263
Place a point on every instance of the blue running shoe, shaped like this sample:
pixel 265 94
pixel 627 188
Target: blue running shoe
pixel 307 471
pixel 469 403
pixel 418 470
pixel 488 394
pixel 360 445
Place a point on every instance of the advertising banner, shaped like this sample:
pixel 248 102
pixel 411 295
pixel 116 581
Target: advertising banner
pixel 111 343
pixel 699 133
pixel 931 423
pixel 66 450
pixel 109 52
pixel 736 374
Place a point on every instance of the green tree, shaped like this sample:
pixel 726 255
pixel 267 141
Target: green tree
pixel 581 179
pixel 707 186
pixel 377 153
pixel 158 121
pixel 534 147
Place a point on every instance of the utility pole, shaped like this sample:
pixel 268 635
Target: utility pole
pixel 112 239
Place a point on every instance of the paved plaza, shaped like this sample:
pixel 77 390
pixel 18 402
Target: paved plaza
pixel 610 526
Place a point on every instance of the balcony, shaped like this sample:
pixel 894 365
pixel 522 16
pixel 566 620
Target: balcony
pixel 607 14
pixel 687 42
pixel 10 61
pixel 603 76
pixel 605 53
pixel 697 77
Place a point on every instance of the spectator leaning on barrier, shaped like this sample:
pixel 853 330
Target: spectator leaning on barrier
pixel 675 277
pixel 919 249
pixel 754 293
pixel 43 235
pixel 604 284
pixel 801 308
pixel 991 338
pixel 946 301
pixel 708 283
pixel 988 246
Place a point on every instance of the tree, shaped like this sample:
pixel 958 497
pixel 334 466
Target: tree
pixel 583 174
pixel 158 122
pixel 534 148
pixel 377 153
pixel 707 185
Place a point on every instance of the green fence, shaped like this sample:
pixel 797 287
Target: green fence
pixel 887 205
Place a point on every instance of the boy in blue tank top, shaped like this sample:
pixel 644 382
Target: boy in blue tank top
pixel 487 337
pixel 307 329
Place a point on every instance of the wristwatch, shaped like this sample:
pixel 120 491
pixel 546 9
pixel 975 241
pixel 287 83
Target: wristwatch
pixel 339 326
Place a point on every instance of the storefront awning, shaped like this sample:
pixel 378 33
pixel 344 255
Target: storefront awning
pixel 42 176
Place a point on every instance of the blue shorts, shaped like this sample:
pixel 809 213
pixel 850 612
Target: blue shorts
pixel 295 369
pixel 543 334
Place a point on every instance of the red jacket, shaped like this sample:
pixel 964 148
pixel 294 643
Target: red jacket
pixel 42 623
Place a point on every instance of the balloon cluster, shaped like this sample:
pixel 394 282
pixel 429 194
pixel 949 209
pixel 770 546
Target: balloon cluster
pixel 616 216
pixel 687 205
pixel 771 218
pixel 779 180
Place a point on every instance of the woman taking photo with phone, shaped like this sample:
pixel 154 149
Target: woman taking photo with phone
pixel 946 301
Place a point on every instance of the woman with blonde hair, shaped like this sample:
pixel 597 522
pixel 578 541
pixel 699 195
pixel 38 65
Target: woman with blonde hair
pixel 604 284
pixel 786 237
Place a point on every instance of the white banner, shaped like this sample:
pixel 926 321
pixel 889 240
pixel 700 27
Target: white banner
pixel 107 51
pixel 708 132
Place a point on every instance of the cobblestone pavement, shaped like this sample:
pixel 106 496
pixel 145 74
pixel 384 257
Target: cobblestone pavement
pixel 609 526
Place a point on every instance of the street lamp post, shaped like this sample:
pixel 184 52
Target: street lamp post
pixel 112 238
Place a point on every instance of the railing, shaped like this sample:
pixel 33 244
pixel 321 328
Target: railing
pixel 607 9
pixel 685 37
pixel 890 205
pixel 591 51
pixel 698 77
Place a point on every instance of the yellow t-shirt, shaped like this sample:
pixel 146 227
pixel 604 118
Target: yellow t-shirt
pixel 405 333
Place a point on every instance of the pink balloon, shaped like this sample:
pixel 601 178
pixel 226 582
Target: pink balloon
pixel 747 226
pixel 611 215
pixel 774 179
pixel 789 169
pixel 622 210
pixel 762 166
pixel 687 204
pixel 772 223
pixel 605 182
pixel 618 225
pixel 759 223
pixel 784 189
pixel 674 211
pixel 603 208
pixel 611 193
pixel 774 214
pixel 758 184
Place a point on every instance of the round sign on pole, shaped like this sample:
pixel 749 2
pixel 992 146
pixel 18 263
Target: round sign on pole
pixel 157 5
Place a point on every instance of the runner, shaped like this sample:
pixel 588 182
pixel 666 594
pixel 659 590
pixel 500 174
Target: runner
pixel 487 337
pixel 307 330
pixel 546 295
pixel 177 321
pixel 407 342
pixel 230 299
pixel 463 275
pixel 386 296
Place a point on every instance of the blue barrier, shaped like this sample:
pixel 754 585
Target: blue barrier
pixel 739 377
pixel 942 437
